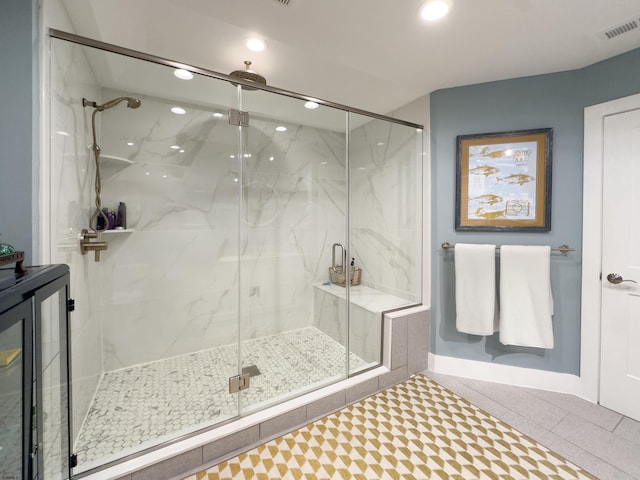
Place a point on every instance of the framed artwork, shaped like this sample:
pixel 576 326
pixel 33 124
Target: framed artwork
pixel 503 181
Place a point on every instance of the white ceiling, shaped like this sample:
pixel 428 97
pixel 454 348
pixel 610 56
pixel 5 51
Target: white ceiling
pixel 376 55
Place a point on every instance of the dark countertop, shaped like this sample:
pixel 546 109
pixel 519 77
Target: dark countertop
pixel 14 287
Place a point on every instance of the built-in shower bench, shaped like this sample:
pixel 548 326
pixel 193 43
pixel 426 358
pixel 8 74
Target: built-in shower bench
pixel 365 316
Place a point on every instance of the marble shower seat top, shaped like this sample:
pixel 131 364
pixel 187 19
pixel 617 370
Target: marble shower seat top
pixel 367 297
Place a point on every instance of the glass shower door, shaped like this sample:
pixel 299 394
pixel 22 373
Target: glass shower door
pixel 293 191
pixel 154 339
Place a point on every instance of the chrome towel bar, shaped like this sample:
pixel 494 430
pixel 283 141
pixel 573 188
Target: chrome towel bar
pixel 564 249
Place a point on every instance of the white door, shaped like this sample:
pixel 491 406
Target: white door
pixel 620 329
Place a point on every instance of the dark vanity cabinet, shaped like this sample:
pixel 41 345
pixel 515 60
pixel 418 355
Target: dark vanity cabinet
pixel 34 366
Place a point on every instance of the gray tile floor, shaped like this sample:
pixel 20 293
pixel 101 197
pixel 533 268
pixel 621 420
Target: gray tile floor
pixel 597 439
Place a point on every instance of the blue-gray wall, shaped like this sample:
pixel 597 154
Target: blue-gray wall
pixel 556 101
pixel 19 124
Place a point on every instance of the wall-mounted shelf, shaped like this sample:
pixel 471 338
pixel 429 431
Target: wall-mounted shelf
pixel 110 164
pixel 117 231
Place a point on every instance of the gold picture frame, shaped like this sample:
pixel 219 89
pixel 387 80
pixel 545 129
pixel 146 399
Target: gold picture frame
pixel 503 181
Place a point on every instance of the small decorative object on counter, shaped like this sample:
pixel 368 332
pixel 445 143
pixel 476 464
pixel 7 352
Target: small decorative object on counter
pixel 6 249
pixel 9 255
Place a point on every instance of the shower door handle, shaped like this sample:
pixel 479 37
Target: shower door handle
pixel 343 258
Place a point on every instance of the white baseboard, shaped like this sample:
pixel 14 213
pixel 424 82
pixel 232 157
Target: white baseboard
pixel 518 376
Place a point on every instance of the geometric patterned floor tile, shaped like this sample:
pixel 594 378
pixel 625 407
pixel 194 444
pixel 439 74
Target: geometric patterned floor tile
pixel 415 430
pixel 138 407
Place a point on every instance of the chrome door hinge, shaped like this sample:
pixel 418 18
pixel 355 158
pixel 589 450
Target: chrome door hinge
pixel 238 383
pixel 71 305
pixel 238 117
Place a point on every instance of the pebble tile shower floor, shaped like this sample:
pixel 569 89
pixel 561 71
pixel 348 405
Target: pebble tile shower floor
pixel 139 406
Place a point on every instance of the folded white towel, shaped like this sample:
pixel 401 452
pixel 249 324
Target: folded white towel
pixel 526 304
pixel 475 267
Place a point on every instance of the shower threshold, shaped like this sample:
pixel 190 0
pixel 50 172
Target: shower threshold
pixel 140 407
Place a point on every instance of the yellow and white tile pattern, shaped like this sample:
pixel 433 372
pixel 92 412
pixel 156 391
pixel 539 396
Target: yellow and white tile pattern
pixel 415 430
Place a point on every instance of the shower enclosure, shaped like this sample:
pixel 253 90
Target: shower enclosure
pixel 215 300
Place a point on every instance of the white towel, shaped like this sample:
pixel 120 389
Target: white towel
pixel 526 304
pixel 475 267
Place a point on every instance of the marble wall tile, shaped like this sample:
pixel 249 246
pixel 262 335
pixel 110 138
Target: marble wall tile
pixel 386 218
pixel 216 238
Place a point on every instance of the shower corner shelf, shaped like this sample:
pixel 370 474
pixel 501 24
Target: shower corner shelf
pixel 110 164
pixel 114 231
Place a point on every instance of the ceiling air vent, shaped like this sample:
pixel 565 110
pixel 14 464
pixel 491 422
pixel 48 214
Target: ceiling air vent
pixel 622 28
pixel 284 2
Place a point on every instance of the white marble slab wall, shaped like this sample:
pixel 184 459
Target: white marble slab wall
pixel 386 211
pixel 365 316
pixel 71 196
pixel 171 285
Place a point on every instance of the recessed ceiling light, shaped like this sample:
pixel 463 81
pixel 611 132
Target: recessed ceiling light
pixel 235 179
pixel 218 115
pixel 147 173
pixel 183 74
pixel 271 159
pixel 323 163
pixel 178 110
pixel 435 9
pixel 311 105
pixel 281 129
pixel 175 147
pixel 380 144
pixel 164 176
pixel 131 144
pixel 255 44
pixel 182 150
pixel 232 156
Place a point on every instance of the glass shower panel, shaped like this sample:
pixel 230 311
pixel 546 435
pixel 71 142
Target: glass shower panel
pixel 161 305
pixel 237 242
pixel 385 228
pixel 293 209
pixel 181 259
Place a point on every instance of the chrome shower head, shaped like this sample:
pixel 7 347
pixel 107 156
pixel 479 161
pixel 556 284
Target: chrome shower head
pixel 131 103
pixel 248 75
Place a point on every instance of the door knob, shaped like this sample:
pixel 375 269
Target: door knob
pixel 616 278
